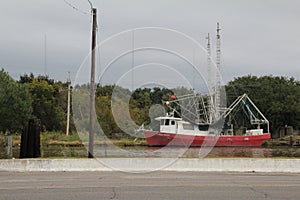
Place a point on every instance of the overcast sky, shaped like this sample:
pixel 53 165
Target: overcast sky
pixel 259 37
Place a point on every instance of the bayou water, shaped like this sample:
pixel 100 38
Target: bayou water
pixel 60 151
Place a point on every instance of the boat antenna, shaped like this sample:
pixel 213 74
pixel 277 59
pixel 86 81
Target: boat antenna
pixel 218 81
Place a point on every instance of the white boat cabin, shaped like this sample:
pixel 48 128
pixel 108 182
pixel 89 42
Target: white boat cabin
pixel 170 124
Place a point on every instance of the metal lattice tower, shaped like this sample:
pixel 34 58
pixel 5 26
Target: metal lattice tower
pixel 208 49
pixel 209 82
pixel 218 81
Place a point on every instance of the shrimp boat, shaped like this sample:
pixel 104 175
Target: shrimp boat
pixel 203 120
pixel 183 131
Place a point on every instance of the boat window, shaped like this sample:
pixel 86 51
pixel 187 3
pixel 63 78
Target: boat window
pixel 172 122
pixel 203 127
pixel 188 126
pixel 167 122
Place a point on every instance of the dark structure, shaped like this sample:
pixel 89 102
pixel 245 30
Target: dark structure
pixel 30 140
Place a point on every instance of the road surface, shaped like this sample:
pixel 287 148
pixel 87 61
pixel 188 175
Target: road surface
pixel 155 185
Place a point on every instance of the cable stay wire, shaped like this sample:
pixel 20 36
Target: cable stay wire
pixel 77 9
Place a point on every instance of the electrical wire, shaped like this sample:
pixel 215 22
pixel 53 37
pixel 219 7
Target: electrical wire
pixel 90 4
pixel 77 9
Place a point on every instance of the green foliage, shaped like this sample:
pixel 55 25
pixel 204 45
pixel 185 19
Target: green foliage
pixel 158 94
pixel 29 78
pixel 140 101
pixel 49 101
pixel 80 102
pixel 46 137
pixel 276 97
pixel 106 90
pixel 15 102
pixel 44 98
pixel 45 104
pixel 105 117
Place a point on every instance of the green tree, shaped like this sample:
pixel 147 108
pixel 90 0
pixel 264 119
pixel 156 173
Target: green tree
pixel 15 102
pixel 277 98
pixel 105 116
pixel 81 111
pixel 47 103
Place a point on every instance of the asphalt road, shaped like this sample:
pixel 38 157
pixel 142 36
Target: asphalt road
pixel 156 185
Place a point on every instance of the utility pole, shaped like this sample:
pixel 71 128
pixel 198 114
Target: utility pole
pixel 92 86
pixel 68 109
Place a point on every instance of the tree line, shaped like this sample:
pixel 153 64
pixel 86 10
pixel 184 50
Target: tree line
pixel 44 98
pixel 278 98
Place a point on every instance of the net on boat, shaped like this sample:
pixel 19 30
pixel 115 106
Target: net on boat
pixel 192 107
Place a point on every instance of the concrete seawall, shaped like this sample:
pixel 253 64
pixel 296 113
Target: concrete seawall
pixel 154 164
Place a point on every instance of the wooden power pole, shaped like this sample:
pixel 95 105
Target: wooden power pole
pixel 92 86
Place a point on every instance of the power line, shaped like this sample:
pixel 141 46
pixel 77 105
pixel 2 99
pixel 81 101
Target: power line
pixel 77 9
pixel 90 4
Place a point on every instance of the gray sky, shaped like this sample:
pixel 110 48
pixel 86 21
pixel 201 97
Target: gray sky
pixel 259 37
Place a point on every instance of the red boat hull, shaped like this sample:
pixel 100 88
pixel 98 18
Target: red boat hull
pixel 163 139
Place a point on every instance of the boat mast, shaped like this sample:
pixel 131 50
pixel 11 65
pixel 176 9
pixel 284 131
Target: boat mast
pixel 209 76
pixel 218 81
pixel 208 49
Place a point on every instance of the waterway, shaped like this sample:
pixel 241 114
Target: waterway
pixel 58 151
